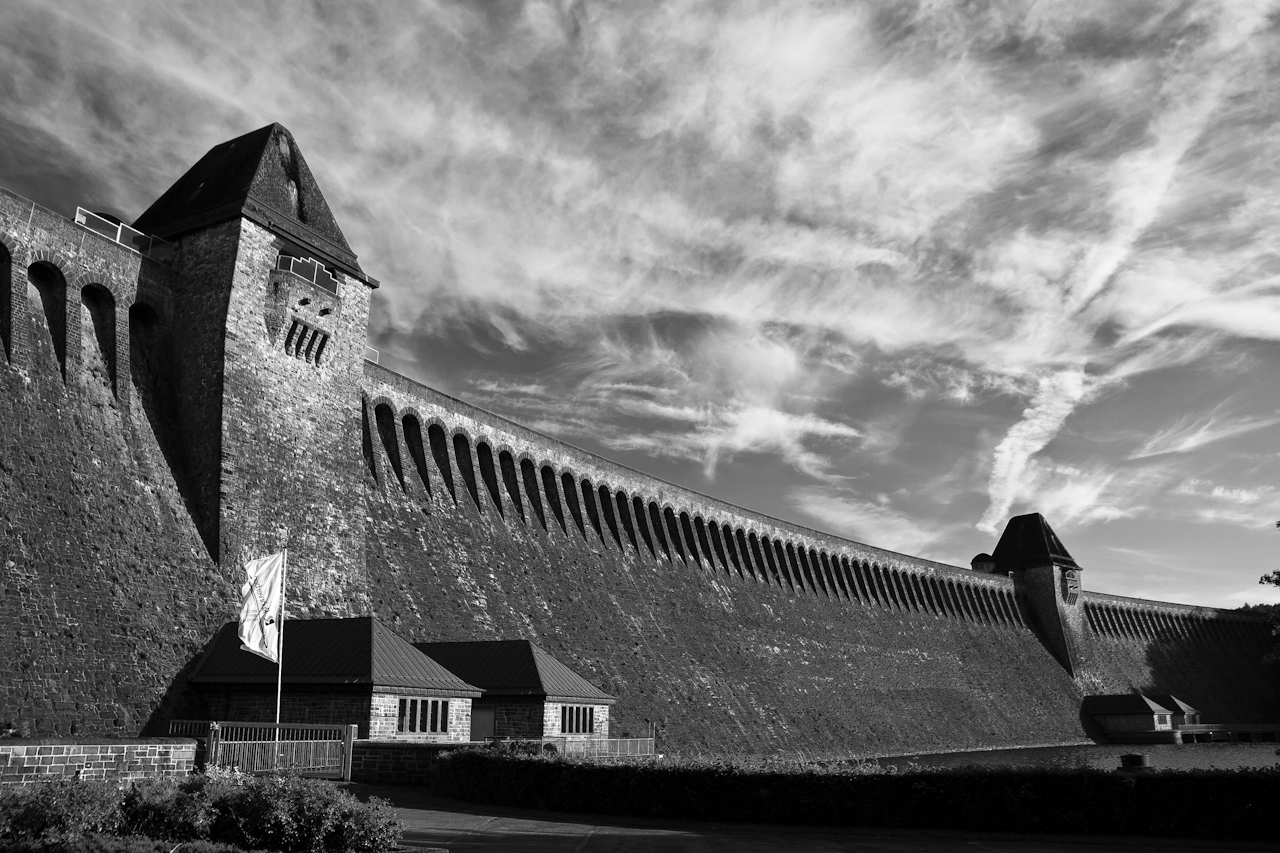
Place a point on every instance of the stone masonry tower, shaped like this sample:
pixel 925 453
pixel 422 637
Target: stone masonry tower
pixel 267 332
pixel 1048 583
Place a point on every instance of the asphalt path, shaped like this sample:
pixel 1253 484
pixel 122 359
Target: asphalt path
pixel 439 823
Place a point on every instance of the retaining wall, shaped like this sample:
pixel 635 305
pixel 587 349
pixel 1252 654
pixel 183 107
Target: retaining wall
pixel 38 759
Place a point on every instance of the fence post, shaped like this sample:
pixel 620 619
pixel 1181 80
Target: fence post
pixel 348 741
pixel 213 744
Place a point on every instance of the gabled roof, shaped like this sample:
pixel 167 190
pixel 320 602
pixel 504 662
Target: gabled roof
pixel 1122 703
pixel 1173 703
pixel 331 651
pixel 514 668
pixel 261 176
pixel 1029 541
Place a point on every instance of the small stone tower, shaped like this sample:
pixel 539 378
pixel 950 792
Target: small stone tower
pixel 267 333
pixel 1047 580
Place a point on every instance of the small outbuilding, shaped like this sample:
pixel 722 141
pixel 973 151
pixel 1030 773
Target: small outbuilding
pixel 527 692
pixel 1131 717
pixel 338 671
pixel 1183 714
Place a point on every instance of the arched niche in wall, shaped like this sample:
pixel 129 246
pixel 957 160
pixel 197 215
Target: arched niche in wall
pixel 417 449
pixel 386 424
pixel 98 334
pixel 439 443
pixel 47 295
pixel 6 303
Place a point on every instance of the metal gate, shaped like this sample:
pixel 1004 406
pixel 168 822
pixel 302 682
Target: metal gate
pixel 310 750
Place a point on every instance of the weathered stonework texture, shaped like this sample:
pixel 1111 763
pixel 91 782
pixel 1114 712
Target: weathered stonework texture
pixel 161 428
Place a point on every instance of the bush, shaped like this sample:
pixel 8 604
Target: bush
pixel 279 813
pixel 59 809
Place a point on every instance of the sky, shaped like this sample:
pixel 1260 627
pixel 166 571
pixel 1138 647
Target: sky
pixel 896 271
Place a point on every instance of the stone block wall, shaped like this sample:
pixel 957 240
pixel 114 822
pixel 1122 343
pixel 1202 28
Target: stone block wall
pixel 37 759
pixel 107 594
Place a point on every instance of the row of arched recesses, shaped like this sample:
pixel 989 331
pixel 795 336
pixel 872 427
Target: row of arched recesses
pixel 1118 620
pixel 449 460
pixel 46 321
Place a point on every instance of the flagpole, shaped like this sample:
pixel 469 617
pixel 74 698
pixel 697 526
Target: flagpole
pixel 284 571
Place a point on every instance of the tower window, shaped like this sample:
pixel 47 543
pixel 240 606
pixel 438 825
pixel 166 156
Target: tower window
pixel 309 269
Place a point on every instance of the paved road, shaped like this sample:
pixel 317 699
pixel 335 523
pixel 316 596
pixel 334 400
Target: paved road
pixel 439 823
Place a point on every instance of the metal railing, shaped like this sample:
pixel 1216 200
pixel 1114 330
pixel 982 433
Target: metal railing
pixel 315 750
pixel 602 747
pixel 309 269
pixel 131 238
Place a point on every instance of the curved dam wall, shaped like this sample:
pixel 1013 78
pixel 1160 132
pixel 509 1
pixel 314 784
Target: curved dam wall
pixel 730 630
pixel 161 422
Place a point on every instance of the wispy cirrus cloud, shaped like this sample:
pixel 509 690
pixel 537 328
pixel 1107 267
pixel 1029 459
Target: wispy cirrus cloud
pixel 1193 432
pixel 874 241
pixel 850 515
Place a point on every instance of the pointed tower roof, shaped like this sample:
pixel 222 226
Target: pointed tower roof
pixel 261 176
pixel 514 668
pixel 1029 541
pixel 331 651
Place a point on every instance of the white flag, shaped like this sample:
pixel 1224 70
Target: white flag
pixel 260 601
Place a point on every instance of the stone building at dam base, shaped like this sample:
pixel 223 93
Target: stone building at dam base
pixel 180 396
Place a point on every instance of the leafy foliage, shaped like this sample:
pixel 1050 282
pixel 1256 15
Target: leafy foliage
pixel 278 813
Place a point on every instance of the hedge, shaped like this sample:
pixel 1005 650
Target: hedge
pixel 1237 804
pixel 276 813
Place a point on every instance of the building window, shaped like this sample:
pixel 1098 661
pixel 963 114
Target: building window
pixel 423 716
pixel 309 269
pixel 1162 719
pixel 577 719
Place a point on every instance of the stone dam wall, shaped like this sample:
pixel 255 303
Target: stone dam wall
pixel 731 630
pixel 153 429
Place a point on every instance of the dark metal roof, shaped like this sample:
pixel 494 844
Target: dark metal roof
pixel 1029 541
pixel 514 668
pixel 1173 703
pixel 330 651
pixel 1122 703
pixel 261 176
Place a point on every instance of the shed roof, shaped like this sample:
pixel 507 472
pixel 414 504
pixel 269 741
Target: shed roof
pixel 262 176
pixel 331 651
pixel 514 668
pixel 1122 703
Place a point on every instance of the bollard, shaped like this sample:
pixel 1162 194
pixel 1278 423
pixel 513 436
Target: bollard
pixel 1135 762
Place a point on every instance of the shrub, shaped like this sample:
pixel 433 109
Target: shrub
pixel 279 813
pixel 59 809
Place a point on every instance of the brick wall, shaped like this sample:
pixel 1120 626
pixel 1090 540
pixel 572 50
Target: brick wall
pixel 37 759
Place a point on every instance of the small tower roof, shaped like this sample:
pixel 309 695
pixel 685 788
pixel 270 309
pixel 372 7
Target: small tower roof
pixel 1029 541
pixel 261 176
